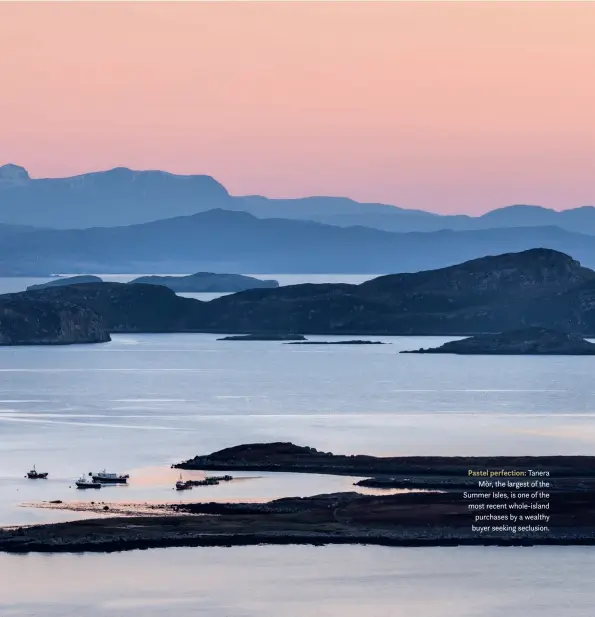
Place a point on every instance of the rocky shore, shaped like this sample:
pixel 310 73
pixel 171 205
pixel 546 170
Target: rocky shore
pixel 524 341
pixel 289 457
pixel 408 519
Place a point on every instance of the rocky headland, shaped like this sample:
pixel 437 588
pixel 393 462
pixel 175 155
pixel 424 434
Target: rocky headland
pixel 208 282
pixel 289 457
pixel 31 321
pixel 526 341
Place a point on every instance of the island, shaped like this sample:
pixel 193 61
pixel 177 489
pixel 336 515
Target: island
pixel 354 342
pixel 493 294
pixel 30 321
pixel 285 456
pixel 415 517
pixel 524 341
pixel 67 280
pixel 264 337
pixel 208 282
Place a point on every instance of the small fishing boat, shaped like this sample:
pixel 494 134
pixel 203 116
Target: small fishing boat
pixel 85 482
pixel 183 485
pixel 36 475
pixel 109 478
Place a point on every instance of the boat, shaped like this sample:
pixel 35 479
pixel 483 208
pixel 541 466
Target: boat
pixel 37 475
pixel 85 482
pixel 109 478
pixel 183 485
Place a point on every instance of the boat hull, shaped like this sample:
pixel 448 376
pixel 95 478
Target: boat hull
pixel 110 480
pixel 37 476
pixel 88 485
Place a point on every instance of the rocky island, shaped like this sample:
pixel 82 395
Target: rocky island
pixel 29 321
pixel 264 337
pixel 67 280
pixel 525 341
pixel 354 342
pixel 208 282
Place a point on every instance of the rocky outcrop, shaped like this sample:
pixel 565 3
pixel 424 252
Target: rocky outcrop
pixel 69 280
pixel 208 282
pixel 128 308
pixel 264 337
pixel 492 294
pixel 527 341
pixel 27 321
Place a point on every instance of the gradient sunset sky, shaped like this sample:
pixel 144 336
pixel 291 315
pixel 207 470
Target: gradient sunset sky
pixel 450 107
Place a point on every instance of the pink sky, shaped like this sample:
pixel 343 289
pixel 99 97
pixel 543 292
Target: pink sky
pixel 451 107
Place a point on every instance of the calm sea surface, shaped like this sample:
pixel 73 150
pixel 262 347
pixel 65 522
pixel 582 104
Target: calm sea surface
pixel 142 402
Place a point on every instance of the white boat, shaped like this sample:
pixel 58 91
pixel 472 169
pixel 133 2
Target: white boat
pixel 85 482
pixel 109 478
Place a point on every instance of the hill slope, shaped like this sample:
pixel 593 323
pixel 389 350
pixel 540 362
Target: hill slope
pixel 224 241
pixel 534 288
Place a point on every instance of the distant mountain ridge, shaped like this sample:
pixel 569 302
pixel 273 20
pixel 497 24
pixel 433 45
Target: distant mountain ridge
pixel 225 241
pixel 122 196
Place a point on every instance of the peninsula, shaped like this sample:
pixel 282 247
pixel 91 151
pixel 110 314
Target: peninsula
pixel 526 341
pixel 30 321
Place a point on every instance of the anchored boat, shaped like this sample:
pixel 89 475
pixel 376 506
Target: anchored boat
pixel 85 482
pixel 183 485
pixel 109 478
pixel 37 475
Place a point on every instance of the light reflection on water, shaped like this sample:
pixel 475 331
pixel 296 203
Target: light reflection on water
pixel 300 581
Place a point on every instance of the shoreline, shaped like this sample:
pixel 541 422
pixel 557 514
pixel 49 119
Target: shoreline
pixel 417 517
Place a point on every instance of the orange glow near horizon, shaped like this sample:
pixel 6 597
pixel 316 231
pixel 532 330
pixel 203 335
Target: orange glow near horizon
pixel 450 107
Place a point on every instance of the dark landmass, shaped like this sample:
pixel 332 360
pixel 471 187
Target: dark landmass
pixel 540 288
pixel 408 519
pixel 30 321
pixel 204 282
pixel 222 241
pixel 264 337
pixel 126 308
pixel 527 341
pixel 289 457
pixel 338 343
pixel 69 280
pixel 493 294
pixel 414 518
pixel 123 197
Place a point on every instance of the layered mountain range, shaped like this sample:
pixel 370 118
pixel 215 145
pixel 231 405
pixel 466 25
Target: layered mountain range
pixel 124 196
pixel 124 221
